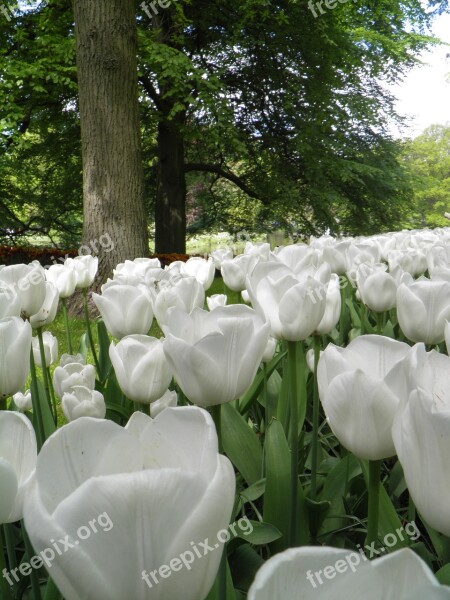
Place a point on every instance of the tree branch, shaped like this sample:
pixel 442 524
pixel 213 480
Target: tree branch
pixel 218 170
pixel 149 88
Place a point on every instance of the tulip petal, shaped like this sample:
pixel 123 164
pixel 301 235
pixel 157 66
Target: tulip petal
pixel 299 573
pixel 422 441
pixel 184 436
pixel 173 508
pixel 360 410
pixel 8 489
pixel 85 447
pixel 411 575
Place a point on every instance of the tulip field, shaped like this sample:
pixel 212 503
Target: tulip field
pixel 293 445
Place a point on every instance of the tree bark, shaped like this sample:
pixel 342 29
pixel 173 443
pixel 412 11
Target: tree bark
pixel 113 180
pixel 170 209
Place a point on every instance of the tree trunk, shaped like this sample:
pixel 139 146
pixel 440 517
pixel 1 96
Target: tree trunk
pixel 115 221
pixel 170 209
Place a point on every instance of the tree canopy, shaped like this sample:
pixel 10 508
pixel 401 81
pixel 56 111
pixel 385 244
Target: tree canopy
pixel 254 114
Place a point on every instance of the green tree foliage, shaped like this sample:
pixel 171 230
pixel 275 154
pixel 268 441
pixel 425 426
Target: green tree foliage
pixel 280 117
pixel 427 158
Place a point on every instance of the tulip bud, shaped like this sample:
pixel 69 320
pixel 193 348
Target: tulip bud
pixel 71 375
pixel 23 402
pixel 63 278
pixel 141 368
pixel 83 402
pixel 15 346
pixel 85 268
pixel 50 349
pixel 216 300
pixel 47 312
pixel 203 270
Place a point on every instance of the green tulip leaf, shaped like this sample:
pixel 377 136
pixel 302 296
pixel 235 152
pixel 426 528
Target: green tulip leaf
pixel 356 321
pixel 254 491
pixel 278 482
pixel 262 533
pixel 443 575
pixel 84 346
pixel 389 521
pixel 245 562
pixel 103 354
pixel 253 392
pixel 317 513
pixel 47 416
pixel 241 444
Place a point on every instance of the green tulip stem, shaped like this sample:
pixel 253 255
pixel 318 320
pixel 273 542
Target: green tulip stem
pixel 36 588
pixel 5 589
pixel 89 331
pixel 315 423
pixel 266 396
pixel 44 371
pixel 344 315
pixel 9 542
pixel 374 501
pixel 222 576
pixel 52 395
pixel 66 323
pixel 292 374
pixel 40 431
pixel 3 403
pixel 379 323
pixel 216 414
pixel 363 316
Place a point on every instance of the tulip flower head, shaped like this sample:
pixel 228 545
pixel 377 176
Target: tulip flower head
pixel 423 307
pixel 215 355
pixel 357 391
pixel 322 573
pixel 142 369
pixel 162 484
pixel 15 346
pixel 18 453
pixel 71 375
pixel 422 422
pixel 50 349
pixel 125 309
pixel 22 401
pixel 83 402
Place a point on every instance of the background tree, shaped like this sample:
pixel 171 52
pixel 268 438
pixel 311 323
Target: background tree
pixel 427 158
pixel 256 105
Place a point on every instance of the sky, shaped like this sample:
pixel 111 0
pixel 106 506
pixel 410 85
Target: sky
pixel 424 95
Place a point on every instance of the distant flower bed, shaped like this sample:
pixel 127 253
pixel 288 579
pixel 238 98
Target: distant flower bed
pixel 14 255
